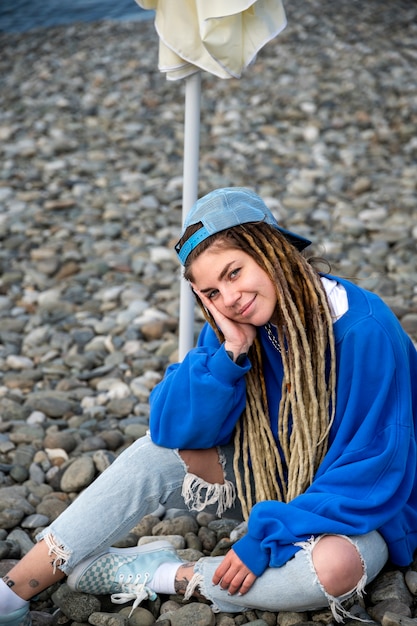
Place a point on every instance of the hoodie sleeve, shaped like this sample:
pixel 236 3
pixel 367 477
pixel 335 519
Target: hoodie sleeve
pixel 368 473
pixel 199 400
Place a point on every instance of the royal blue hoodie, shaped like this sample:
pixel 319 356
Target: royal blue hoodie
pixel 368 478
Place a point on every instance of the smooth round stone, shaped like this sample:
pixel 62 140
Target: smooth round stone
pixel 19 473
pixel 78 475
pixel 34 521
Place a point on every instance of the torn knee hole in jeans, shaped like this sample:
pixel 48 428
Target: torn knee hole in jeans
pixel 199 494
pixel 336 603
pixel 59 552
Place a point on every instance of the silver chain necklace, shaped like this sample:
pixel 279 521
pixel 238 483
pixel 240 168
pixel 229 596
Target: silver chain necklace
pixel 271 336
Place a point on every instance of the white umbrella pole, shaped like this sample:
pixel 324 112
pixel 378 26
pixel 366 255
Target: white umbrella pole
pixel 189 196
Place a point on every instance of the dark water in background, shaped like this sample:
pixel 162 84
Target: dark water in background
pixel 23 15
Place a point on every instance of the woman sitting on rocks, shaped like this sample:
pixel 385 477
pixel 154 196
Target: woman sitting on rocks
pixel 298 407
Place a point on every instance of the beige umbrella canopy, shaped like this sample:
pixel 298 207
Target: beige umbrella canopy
pixel 221 37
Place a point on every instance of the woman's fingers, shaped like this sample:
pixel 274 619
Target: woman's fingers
pixel 233 575
pixel 241 582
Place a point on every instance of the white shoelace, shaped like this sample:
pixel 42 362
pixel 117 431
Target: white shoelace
pixel 133 589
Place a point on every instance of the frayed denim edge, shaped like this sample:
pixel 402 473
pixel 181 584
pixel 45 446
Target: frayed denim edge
pixel 336 603
pixel 58 549
pixel 199 494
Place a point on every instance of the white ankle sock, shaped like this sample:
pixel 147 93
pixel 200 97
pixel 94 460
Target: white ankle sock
pixel 9 600
pixel 163 581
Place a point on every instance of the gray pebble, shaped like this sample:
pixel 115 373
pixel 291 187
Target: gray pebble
pixel 78 475
pixel 391 585
pixel 194 614
pixel 411 581
pixel 139 617
pixel 34 521
pixel 75 605
pixel 393 619
pixel 19 473
pixel 176 526
pixel 60 439
pixel 108 619
pixel 20 537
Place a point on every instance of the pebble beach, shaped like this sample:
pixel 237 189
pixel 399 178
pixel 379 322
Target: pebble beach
pixel 323 126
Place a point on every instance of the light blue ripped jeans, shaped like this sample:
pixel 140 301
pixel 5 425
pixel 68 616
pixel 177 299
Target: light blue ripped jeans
pixel 145 476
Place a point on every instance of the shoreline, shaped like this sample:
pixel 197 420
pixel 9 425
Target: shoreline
pixel 24 16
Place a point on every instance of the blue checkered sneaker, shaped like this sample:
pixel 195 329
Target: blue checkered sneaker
pixel 21 617
pixel 125 573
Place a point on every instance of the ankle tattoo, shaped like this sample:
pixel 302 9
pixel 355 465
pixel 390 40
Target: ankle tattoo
pixel 181 579
pixel 184 575
pixel 180 586
pixel 33 583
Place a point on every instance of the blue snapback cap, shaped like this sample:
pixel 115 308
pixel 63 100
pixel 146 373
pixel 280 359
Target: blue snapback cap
pixel 223 208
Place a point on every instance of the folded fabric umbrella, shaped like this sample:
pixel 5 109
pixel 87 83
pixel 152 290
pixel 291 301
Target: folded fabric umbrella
pixel 218 36
pixel 221 37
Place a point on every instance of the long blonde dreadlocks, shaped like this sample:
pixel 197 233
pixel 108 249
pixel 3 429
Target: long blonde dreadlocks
pixel 305 339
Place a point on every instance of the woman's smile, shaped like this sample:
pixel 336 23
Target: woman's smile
pixel 246 309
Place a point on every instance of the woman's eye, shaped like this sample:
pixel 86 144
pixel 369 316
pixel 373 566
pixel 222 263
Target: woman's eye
pixel 234 273
pixel 212 294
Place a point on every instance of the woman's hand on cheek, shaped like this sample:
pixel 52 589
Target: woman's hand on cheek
pixel 238 337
